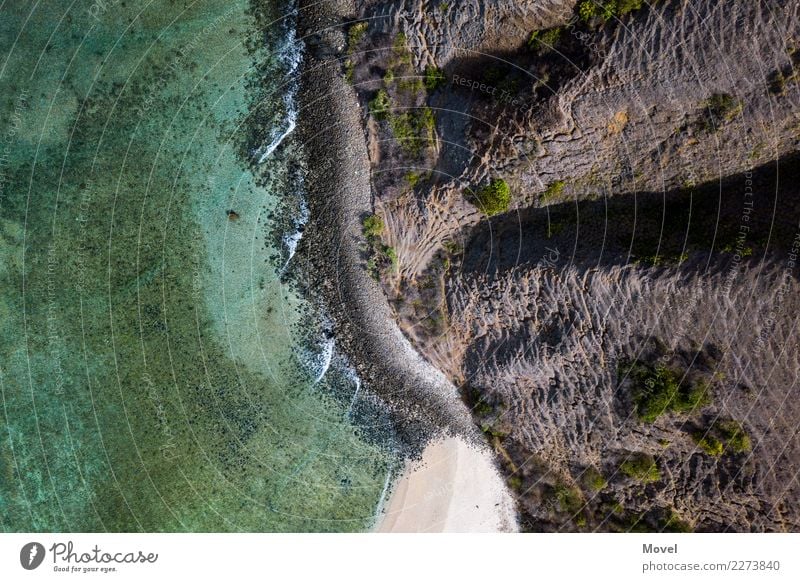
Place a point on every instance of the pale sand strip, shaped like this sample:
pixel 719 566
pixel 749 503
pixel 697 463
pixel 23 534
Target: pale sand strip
pixel 454 488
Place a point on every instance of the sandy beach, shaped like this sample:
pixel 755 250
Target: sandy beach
pixel 454 488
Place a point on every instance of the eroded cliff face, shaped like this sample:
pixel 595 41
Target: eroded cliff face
pixel 625 329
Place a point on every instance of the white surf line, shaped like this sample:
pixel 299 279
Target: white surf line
pixel 326 358
pixel 275 143
pixel 382 499
pixel 355 396
pixel 291 55
pixel 292 240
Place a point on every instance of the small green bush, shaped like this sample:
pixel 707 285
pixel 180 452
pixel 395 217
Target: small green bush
pixel 569 498
pixel 659 390
pixel 709 443
pixel 413 178
pixel 554 190
pixel 673 523
pixel 434 78
pixel 593 480
pixel 724 436
pixel 718 110
pixel 492 199
pixel 355 34
pixel 391 254
pixel 543 41
pixel 411 84
pixel 414 129
pixel 642 468
pixel 373 226
pixel 587 10
pixel 736 439
pixel 380 104
pixel 400 48
pixel 607 9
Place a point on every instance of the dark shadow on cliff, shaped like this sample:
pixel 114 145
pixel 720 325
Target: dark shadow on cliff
pixel 719 221
pixel 480 91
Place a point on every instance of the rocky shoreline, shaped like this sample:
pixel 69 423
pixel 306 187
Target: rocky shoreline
pixel 423 402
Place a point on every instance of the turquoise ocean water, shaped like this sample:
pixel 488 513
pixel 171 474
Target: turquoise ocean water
pixel 160 369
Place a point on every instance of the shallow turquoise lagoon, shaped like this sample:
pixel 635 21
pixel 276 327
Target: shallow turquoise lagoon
pixel 159 366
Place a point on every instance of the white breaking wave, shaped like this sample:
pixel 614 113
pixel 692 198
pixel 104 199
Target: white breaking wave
pixel 355 396
pixel 293 239
pixel 382 500
pixel 292 116
pixel 290 54
pixel 324 360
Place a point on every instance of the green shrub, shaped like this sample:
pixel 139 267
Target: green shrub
pixel 593 480
pixel 349 70
pixel 391 254
pixel 642 468
pixel 452 247
pixel 719 109
pixel 400 48
pixel 659 390
pixel 736 439
pixel 413 178
pixel 413 129
pixel 607 9
pixel 587 10
pixel 404 131
pixel 623 7
pixel 380 104
pixel 492 199
pixel 709 443
pixel 543 41
pixel 673 523
pixel 724 436
pixel 355 34
pixel 554 190
pixel 569 498
pixel 373 226
pixel 434 78
pixel 411 84
pixel 372 269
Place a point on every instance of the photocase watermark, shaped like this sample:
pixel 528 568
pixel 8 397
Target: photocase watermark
pixel 550 260
pixel 54 339
pixel 170 448
pixel 180 61
pixel 502 95
pixel 10 134
pixel 67 559
pixel 784 289
pixel 585 38
pixel 99 8
pixel 31 555
pixel 740 249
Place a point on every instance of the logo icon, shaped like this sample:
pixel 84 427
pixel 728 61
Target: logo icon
pixel 31 555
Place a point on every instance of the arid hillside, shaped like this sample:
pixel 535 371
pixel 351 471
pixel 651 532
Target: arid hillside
pixel 586 215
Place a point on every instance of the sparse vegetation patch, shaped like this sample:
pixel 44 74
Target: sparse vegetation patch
pixel 723 436
pixel 492 199
pixel 659 390
pixel 641 467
